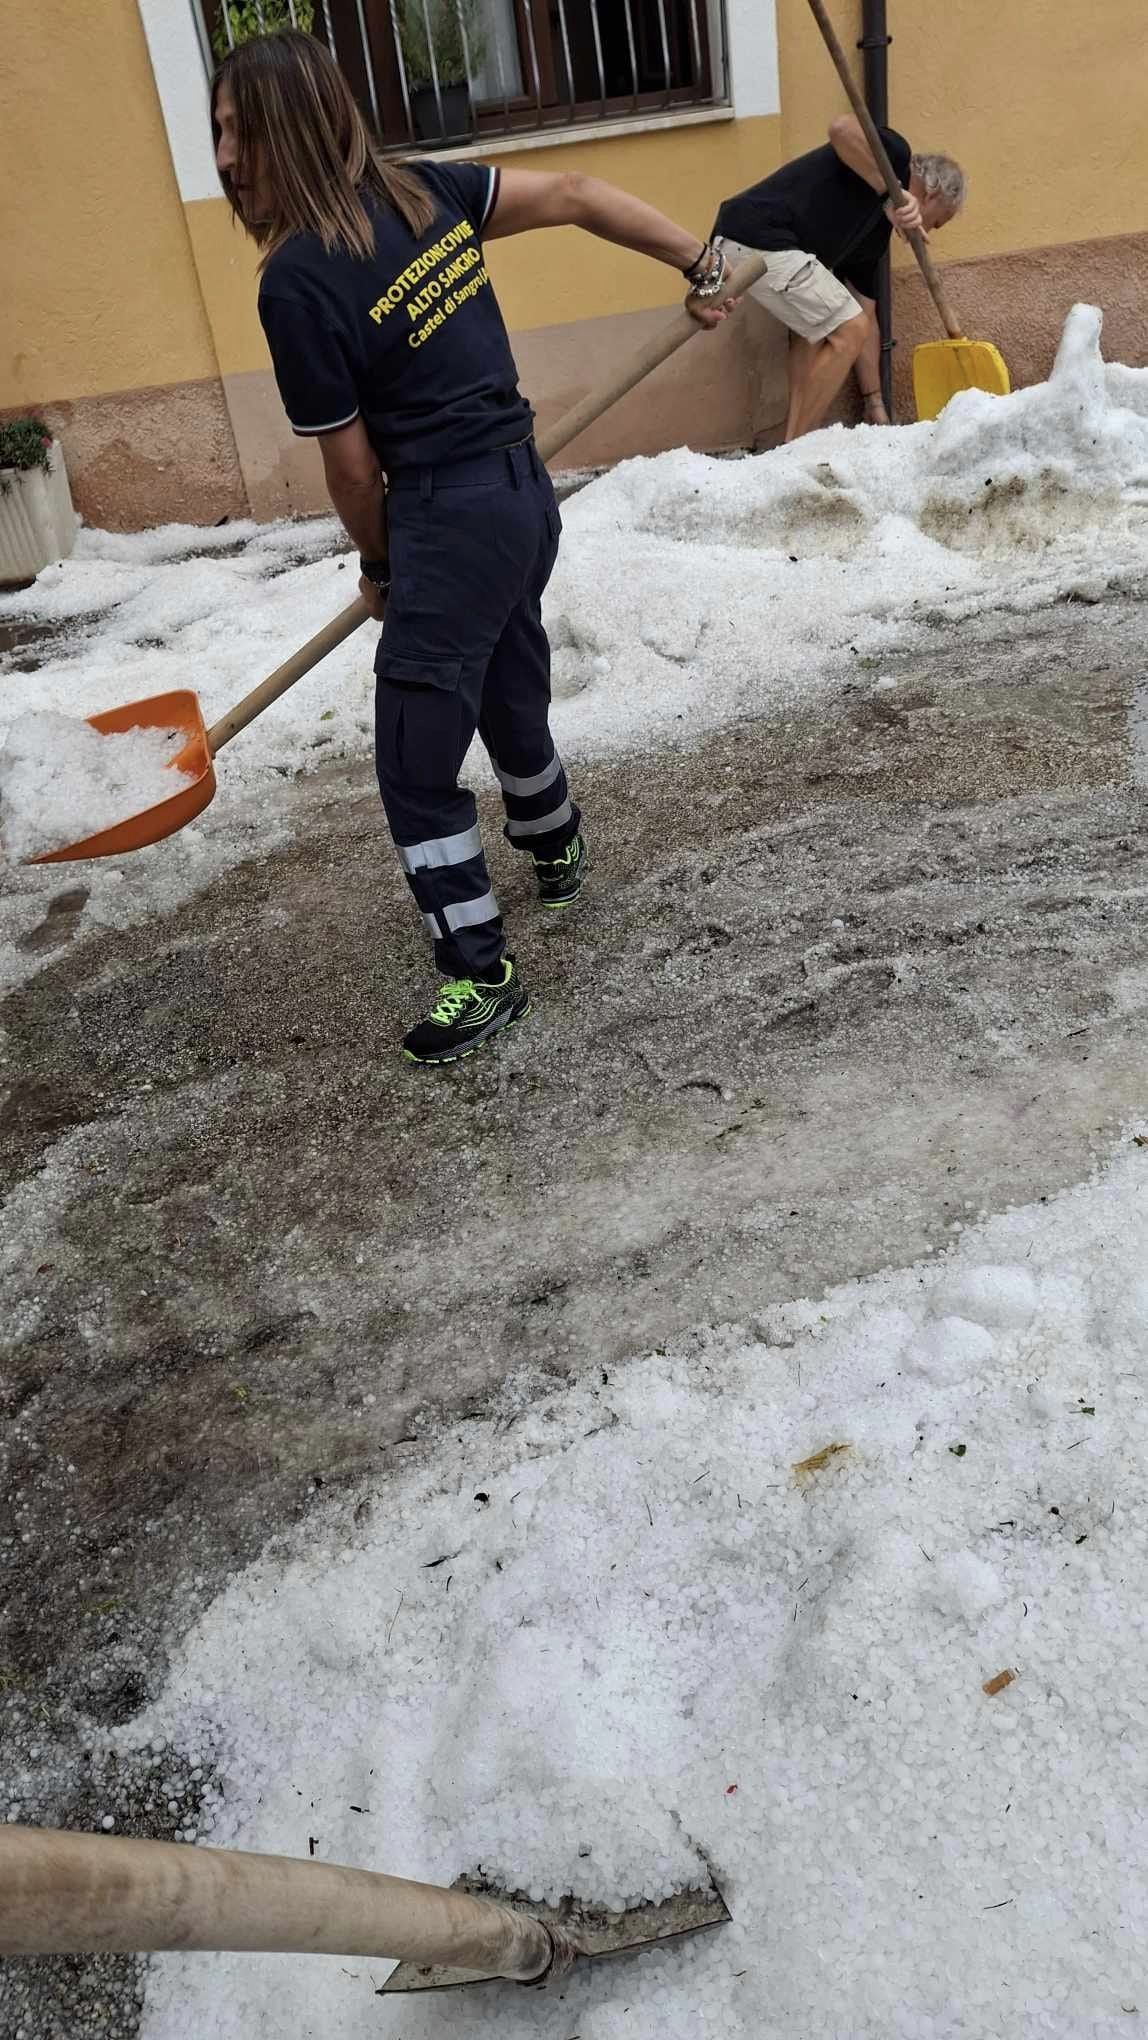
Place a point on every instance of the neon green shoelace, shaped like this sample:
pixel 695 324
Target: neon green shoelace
pixel 452 1000
pixel 560 863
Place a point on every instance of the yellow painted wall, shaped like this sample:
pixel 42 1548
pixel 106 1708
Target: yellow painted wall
pixel 99 287
pixel 1043 103
pixel 542 279
pixel 548 279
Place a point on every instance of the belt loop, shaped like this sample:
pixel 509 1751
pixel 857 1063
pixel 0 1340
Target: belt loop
pixel 426 483
pixel 513 465
pixel 535 463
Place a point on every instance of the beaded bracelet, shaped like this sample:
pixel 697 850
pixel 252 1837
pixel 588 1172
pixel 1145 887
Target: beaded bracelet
pixel 706 277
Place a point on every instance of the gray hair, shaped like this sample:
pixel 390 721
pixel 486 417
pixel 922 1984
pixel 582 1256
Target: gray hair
pixel 941 176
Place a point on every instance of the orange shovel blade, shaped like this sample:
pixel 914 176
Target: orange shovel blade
pixel 178 711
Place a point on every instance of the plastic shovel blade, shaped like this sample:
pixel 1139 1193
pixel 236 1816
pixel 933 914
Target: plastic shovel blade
pixel 943 367
pixel 178 712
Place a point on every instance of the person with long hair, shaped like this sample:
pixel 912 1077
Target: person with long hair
pixel 389 347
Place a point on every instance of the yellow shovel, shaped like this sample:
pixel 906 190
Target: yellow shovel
pixel 940 367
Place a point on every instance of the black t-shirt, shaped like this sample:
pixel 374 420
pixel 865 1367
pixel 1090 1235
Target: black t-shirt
pixel 817 203
pixel 412 339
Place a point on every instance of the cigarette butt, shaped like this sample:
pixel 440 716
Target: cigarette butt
pixel 998 1684
pixel 818 1460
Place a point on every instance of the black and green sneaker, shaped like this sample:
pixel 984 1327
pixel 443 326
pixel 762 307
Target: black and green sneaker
pixel 560 879
pixel 466 1012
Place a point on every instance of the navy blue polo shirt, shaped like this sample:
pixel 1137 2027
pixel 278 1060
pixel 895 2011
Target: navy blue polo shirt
pixel 412 339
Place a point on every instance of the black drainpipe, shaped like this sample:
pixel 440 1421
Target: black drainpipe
pixel 874 42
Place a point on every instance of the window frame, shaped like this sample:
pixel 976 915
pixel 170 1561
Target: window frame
pixel 358 30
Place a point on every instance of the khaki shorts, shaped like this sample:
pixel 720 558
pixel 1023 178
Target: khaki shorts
pixel 797 289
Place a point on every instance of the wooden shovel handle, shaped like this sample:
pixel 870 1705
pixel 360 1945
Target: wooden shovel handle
pixel 659 349
pixel 917 241
pixel 672 336
pixel 79 1894
pixel 285 676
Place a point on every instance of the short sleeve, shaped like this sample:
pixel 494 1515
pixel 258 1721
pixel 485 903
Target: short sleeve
pixel 471 188
pixel 315 382
pixel 900 153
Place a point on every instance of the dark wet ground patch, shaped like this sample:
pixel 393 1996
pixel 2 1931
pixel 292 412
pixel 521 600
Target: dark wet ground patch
pixel 27 643
pixel 837 980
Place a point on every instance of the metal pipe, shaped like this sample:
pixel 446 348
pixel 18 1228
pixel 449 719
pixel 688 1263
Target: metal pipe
pixel 597 26
pixel 721 21
pixel 633 51
pixel 431 52
pixel 665 34
pixel 370 67
pixel 528 11
pixel 327 29
pixel 205 49
pixel 696 43
pixel 566 52
pixel 465 46
pixel 874 46
pixel 404 82
pixel 500 67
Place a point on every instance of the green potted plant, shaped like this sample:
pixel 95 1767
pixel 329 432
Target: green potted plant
pixel 455 31
pixel 246 18
pixel 37 520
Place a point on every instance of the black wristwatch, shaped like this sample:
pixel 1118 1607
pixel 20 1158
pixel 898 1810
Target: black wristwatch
pixel 378 572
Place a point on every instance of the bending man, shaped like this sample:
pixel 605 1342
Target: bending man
pixel 823 223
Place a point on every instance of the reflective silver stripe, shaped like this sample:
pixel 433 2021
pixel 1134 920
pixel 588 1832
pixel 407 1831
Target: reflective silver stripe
pixel 308 431
pixel 431 921
pixel 536 783
pixel 468 913
pixel 553 820
pixel 440 850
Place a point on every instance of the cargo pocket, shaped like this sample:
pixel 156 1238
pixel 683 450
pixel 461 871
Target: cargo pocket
pixel 800 279
pixel 418 715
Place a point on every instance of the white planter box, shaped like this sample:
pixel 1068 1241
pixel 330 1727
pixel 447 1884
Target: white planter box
pixel 37 521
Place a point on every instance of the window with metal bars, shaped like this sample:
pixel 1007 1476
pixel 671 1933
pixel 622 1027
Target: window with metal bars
pixel 440 73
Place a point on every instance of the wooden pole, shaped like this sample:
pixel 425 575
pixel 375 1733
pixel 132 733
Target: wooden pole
pixel 917 241
pixel 68 1894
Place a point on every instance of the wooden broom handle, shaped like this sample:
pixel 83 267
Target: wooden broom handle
pixel 574 421
pixel 917 241
pixel 75 1894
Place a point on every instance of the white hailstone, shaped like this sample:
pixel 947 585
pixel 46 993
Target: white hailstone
pixel 963 1585
pixel 1041 1401
pixel 950 1351
pixel 1002 1298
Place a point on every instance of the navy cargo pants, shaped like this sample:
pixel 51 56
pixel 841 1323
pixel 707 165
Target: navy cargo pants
pixel 472 546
